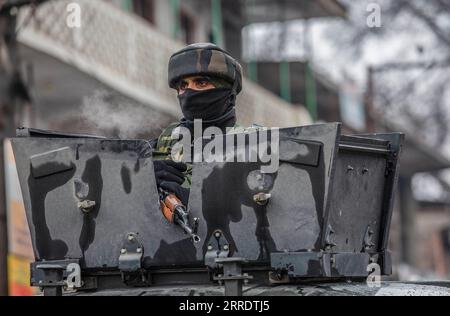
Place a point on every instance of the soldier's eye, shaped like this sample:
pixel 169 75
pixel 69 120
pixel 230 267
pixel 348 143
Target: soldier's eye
pixel 202 83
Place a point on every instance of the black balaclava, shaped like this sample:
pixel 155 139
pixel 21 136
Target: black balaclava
pixel 214 106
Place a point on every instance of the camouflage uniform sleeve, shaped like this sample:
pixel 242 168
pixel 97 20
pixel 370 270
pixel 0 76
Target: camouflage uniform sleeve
pixel 163 148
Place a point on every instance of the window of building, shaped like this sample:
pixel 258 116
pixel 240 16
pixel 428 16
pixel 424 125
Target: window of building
pixel 145 9
pixel 187 27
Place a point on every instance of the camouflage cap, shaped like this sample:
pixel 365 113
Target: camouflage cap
pixel 204 59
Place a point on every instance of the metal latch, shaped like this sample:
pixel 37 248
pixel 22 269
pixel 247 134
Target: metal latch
pixel 130 259
pixel 131 254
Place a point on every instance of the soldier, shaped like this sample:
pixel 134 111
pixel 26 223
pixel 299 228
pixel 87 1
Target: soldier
pixel 207 80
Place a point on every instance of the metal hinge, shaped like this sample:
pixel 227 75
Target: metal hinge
pixel 218 247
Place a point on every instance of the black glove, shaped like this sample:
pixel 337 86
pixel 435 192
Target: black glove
pixel 169 170
pixel 178 190
pixel 170 177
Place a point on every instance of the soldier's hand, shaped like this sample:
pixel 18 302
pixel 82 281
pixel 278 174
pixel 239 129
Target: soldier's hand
pixel 170 177
pixel 169 171
pixel 178 190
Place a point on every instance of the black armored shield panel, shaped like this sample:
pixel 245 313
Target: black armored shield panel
pixel 263 211
pixel 324 212
pixel 83 196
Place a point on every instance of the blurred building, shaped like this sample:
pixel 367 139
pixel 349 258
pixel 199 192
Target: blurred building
pixel 118 59
pixel 300 83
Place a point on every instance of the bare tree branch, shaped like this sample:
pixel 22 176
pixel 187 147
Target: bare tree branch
pixel 430 21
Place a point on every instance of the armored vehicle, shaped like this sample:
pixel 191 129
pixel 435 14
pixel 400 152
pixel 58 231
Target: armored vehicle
pixel 317 222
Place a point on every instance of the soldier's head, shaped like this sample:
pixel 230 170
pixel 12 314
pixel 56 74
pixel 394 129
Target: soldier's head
pixel 207 80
